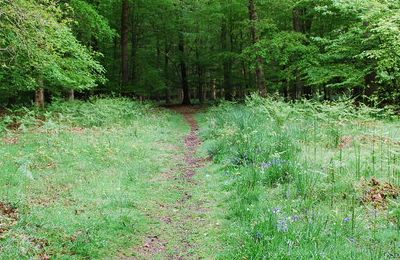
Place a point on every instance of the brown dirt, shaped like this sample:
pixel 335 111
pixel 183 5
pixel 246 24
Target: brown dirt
pixel 377 193
pixel 378 139
pixel 345 141
pixel 11 140
pixel 8 217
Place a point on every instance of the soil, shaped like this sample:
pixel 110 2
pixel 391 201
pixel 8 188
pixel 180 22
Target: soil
pixel 378 193
pixel 8 217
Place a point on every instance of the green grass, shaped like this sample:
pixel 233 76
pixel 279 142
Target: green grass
pixel 298 178
pixel 79 178
pixel 289 181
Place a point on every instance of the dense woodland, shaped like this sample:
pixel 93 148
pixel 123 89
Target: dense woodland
pixel 183 50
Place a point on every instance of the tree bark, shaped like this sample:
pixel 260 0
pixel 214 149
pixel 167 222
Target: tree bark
pixel 71 95
pixel 166 75
pixel 39 94
pixel 39 98
pixel 214 90
pixel 260 77
pixel 301 24
pixel 227 66
pixel 125 42
pixel 184 77
pixel 134 43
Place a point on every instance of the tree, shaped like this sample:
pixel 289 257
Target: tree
pixel 125 42
pixel 260 77
pixel 40 52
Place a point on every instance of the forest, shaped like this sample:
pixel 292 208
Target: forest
pixel 199 129
pixel 200 50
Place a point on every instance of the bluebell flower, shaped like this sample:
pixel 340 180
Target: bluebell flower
pixel 266 165
pixel 283 226
pixel 276 210
pixel 347 219
pixel 295 218
pixel 274 162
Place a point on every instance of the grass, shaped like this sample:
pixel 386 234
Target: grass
pixel 79 174
pixel 307 180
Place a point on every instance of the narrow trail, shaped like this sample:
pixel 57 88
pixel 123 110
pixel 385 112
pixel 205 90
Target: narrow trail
pixel 179 220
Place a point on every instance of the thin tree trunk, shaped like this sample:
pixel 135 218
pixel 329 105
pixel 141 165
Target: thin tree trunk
pixel 134 43
pixel 214 90
pixel 227 66
pixel 184 77
pixel 200 89
pixel 260 78
pixel 200 79
pixel 39 94
pixel 166 75
pixel 301 24
pixel 71 95
pixel 125 42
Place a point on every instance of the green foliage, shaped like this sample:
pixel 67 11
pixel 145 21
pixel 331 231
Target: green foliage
pixel 298 177
pixel 94 113
pixel 37 45
pixel 88 24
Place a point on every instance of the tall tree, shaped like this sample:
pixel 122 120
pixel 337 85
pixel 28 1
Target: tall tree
pixel 125 42
pixel 260 77
pixel 184 76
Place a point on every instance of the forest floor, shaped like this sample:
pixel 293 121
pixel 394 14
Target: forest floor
pixel 107 179
pixel 118 179
pixel 185 228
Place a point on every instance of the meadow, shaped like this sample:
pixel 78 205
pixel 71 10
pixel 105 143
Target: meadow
pixel 75 180
pixel 121 179
pixel 307 180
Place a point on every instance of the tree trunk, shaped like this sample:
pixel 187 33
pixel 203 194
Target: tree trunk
pixel 134 43
pixel 200 88
pixel 214 90
pixel 39 95
pixel 184 77
pixel 301 24
pixel 260 78
pixel 125 42
pixel 71 95
pixel 246 82
pixel 166 75
pixel 39 98
pixel 227 66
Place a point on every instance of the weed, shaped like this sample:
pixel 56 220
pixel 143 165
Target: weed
pixel 294 173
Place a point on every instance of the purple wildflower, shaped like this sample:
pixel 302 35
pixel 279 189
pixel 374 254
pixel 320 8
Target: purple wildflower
pixel 283 226
pixel 274 162
pixel 295 218
pixel 347 219
pixel 276 210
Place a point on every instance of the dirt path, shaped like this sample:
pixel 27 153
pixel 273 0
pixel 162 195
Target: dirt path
pixel 177 222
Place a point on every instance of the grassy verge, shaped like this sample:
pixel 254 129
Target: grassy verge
pixel 307 180
pixel 73 178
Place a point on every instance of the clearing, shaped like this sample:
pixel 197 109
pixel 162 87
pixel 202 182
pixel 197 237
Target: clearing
pixel 114 178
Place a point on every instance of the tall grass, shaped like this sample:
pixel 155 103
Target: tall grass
pixel 308 180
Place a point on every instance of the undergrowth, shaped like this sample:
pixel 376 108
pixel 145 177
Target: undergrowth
pixel 73 177
pixel 308 180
